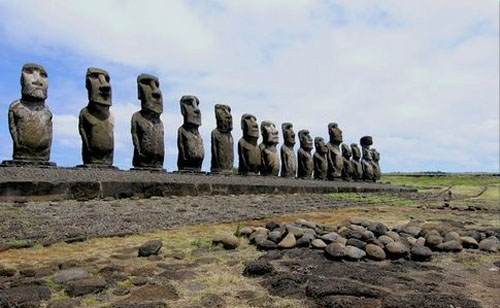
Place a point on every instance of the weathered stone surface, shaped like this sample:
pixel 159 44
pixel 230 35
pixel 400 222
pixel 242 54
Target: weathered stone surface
pixel 249 153
pixel 354 253
pixel 377 228
pixel 357 168
pixel 320 159
pixel 30 120
pixel 318 244
pixel 7 272
pixel 392 235
pixel 469 242
pixel 288 157
pixel 385 239
pixel 222 141
pixel 451 236
pixel 305 161
pixel 85 286
pixel 258 268
pixel 420 253
pixel 347 166
pixel 433 239
pixel 376 165
pixel 288 242
pixel 150 248
pixel 335 162
pixel 189 141
pixel 330 237
pixel 95 122
pixel 366 161
pixel 489 244
pixel 230 242
pixel 270 159
pixel 303 242
pixel 24 296
pixel 71 274
pixel 212 300
pixel 356 243
pixel 147 127
pixel 246 231
pixel 375 252
pixel 296 231
pixel 265 245
pixel 396 250
pixel 335 250
pixel 64 303
pixel 275 236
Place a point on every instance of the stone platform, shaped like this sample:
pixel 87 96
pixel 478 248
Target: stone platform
pixel 36 184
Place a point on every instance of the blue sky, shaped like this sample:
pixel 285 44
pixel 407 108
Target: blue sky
pixel 421 77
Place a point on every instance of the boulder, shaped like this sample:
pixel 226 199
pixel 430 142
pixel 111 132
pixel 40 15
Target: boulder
pixel 288 242
pixel 396 250
pixel 296 231
pixel 303 242
pixel 450 246
pixel 451 236
pixel 489 244
pixel 150 248
pixel 275 236
pixel 335 251
pixel 384 239
pixel 318 244
pixel 272 225
pixel 392 235
pixel 258 268
pixel 433 239
pixel 85 286
pixel 420 253
pixel 356 243
pixel 246 231
pixel 354 253
pixel 71 274
pixel 412 229
pixel 230 242
pixel 266 245
pixel 474 234
pixel 375 252
pixel 469 242
pixel 329 237
pixel 377 228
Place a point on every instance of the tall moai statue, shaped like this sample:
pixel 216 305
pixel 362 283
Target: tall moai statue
pixel 357 168
pixel 376 165
pixel 222 141
pixel 30 120
pixel 320 159
pixel 96 123
pixel 147 127
pixel 334 154
pixel 248 151
pixel 304 157
pixel 189 141
pixel 366 161
pixel 288 157
pixel 270 159
pixel 347 167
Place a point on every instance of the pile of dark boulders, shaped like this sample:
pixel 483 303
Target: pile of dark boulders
pixel 362 239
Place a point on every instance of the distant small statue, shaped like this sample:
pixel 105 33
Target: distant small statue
pixel 304 157
pixel 222 141
pixel 366 161
pixel 248 151
pixel 189 141
pixel 357 168
pixel 376 165
pixel 320 159
pixel 334 154
pixel 30 120
pixel 95 122
pixel 347 167
pixel 288 157
pixel 270 159
pixel 147 127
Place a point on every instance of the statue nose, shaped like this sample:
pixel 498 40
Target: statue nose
pixel 105 89
pixel 156 95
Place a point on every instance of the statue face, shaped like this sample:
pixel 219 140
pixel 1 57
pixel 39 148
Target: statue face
pixel 346 151
pixel 148 91
pixel 224 118
pixel 335 133
pixel 288 133
pixel 190 110
pixel 269 132
pixel 98 86
pixel 320 145
pixel 34 81
pixel 249 126
pixel 356 152
pixel 367 154
pixel 375 155
pixel 306 141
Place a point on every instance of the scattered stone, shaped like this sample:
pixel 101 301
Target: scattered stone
pixel 309 224
pixel 356 243
pixel 246 231
pixel 335 250
pixel 451 236
pixel 450 246
pixel 272 226
pixel 71 274
pixel 368 235
pixel 7 272
pixel 412 229
pixel 212 300
pixel 25 296
pixel 357 228
pixel 121 291
pixel 266 245
pixel 474 234
pixel 375 252
pixel 384 239
pixel 258 268
pixel 288 242
pixel 318 244
pixel 420 253
pixel 296 231
pixel 433 239
pixel 64 303
pixel 420 241
pixel 393 235
pixel 396 250
pixel 354 253
pixel 230 242
pixel 303 242
pixel 469 242
pixel 139 281
pixel 489 244
pixel 360 221
pixel 217 239
pixel 258 232
pixel 259 238
pixel 150 248
pixel 275 236
pixel 330 237
pixel 85 286
pixel 377 228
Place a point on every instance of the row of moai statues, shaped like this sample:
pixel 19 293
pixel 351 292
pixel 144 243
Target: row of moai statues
pixel 30 125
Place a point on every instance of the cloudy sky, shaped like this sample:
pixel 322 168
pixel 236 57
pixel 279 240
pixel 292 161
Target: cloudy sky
pixel 421 77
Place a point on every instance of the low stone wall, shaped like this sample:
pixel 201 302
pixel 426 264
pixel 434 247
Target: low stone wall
pixel 39 184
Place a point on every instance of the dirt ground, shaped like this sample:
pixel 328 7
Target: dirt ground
pixel 190 272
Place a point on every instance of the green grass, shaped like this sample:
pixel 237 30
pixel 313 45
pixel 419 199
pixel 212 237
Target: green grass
pixel 443 181
pixel 371 198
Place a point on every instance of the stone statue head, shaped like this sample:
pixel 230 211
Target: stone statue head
pixel 249 126
pixel 375 155
pixel 149 93
pixel 224 118
pixel 320 145
pixel 335 133
pixel 190 110
pixel 366 141
pixel 346 151
pixel 356 152
pixel 288 134
pixel 98 86
pixel 34 82
pixel 269 133
pixel 306 141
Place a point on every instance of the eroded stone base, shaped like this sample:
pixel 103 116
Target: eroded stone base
pixel 30 163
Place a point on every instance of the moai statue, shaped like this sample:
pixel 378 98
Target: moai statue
pixel 366 161
pixel 320 159
pixel 376 165
pixel 334 154
pixel 30 120
pixel 347 167
pixel 222 141
pixel 96 123
pixel 288 157
pixel 147 127
pixel 189 142
pixel 357 168
pixel 304 157
pixel 248 151
pixel 270 159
